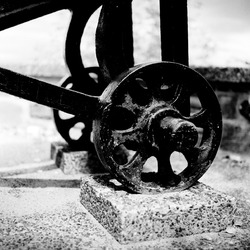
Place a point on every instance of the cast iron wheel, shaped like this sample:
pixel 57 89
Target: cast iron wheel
pixel 140 114
pixel 76 130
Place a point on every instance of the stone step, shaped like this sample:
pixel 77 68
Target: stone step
pixel 74 162
pixel 132 218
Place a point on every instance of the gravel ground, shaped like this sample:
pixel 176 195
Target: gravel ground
pixel 23 139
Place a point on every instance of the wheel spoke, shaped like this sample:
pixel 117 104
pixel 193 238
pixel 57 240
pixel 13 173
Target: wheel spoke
pixel 181 96
pixel 134 167
pixel 200 119
pixel 155 87
pixel 69 123
pixel 130 136
pixel 192 155
pixel 86 134
pixel 131 104
pixel 166 174
pixel 137 96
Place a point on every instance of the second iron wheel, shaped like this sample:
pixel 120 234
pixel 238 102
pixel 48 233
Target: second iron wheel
pixel 76 130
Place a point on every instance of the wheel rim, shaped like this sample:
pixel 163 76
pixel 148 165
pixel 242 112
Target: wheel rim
pixel 132 112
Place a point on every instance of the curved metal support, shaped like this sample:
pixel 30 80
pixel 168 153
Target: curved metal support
pixel 73 57
pixel 114 38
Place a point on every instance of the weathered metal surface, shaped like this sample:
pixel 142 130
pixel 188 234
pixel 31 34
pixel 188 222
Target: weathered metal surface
pixel 31 89
pixel 139 116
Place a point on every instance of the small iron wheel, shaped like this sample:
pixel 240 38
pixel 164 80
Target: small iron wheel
pixel 140 114
pixel 76 130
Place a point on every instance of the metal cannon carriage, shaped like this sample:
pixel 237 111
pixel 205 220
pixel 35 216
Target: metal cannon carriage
pixel 130 112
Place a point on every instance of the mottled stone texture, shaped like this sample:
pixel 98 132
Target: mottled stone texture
pixel 236 136
pixel 75 162
pixel 232 87
pixel 136 217
pixel 227 75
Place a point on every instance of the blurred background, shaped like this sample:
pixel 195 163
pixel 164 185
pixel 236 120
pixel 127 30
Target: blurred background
pixel 219 36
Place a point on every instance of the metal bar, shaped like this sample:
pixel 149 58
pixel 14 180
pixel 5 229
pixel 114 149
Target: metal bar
pixel 55 97
pixel 127 34
pixel 14 12
pixel 114 38
pixel 174 30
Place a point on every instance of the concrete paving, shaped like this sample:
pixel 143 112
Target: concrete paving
pixel 42 210
pixel 41 213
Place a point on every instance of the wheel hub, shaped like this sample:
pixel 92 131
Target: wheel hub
pixel 169 130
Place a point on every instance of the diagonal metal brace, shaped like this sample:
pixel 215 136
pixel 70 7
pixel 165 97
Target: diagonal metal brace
pixel 55 97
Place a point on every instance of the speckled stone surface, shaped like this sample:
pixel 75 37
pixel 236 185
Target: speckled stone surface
pixel 136 217
pixel 47 214
pixel 75 162
pixel 48 218
pixel 225 75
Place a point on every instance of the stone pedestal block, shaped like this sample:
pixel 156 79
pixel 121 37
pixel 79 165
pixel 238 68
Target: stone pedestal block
pixel 136 217
pixel 56 147
pixel 75 162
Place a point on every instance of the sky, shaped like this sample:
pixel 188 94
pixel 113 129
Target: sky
pixel 226 16
pixel 222 34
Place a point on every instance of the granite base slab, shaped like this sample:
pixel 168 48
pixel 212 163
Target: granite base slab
pixel 137 217
pixel 75 162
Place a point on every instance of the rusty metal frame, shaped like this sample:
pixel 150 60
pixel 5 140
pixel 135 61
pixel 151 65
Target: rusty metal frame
pixel 174 34
pixel 114 50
